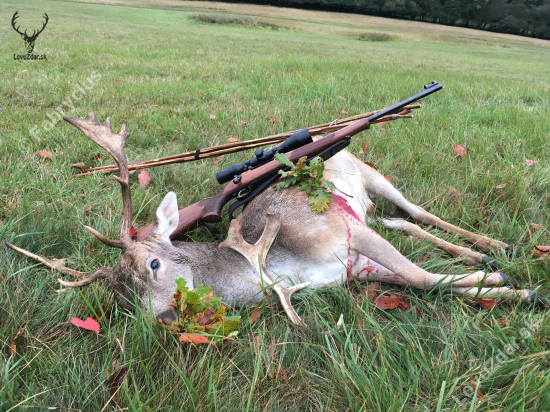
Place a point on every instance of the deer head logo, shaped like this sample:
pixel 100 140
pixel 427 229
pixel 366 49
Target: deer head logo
pixel 29 40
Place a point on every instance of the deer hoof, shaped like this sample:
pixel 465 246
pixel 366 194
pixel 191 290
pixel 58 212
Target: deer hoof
pixel 507 281
pixel 491 264
pixel 537 301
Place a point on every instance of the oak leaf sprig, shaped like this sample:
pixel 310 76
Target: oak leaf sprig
pixel 308 177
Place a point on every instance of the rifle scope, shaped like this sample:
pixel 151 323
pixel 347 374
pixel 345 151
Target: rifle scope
pixel 298 139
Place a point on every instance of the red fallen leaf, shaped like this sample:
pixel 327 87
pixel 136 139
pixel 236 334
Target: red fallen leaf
pixel 194 339
pixel 276 120
pixel 133 233
pixel 387 178
pixel 536 226
pixel 459 150
pixel 443 124
pixel 386 302
pixel 200 95
pixel 474 385
pixel 343 112
pixel 469 98
pixel 403 305
pixel 88 324
pixel 243 123
pixel 119 81
pixel 174 139
pixel 365 146
pixel 486 303
pixel 44 153
pixel 294 91
pixel 254 316
pixel 360 80
pixel 381 124
pixel 529 162
pixel 144 178
pixel 529 234
pixel 97 156
pixel 371 165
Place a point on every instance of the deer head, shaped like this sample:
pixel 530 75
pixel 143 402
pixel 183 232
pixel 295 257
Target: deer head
pixel 146 270
pixel 29 40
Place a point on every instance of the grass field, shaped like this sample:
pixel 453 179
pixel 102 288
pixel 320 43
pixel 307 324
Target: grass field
pixel 164 74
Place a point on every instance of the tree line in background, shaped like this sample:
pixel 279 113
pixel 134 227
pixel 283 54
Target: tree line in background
pixel 523 17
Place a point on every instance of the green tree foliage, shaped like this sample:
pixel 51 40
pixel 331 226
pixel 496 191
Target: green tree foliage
pixel 523 17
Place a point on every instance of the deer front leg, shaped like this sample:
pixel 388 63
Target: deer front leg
pixel 256 255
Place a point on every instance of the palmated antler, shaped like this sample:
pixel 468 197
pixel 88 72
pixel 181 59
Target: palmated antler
pixel 59 265
pixel 256 254
pixel 114 145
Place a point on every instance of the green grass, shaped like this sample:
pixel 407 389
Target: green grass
pixel 495 101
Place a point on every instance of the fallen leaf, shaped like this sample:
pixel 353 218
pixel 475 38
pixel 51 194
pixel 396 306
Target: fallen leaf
pixel 79 165
pixel 387 178
pixel 382 124
pixel 474 385
pixel 529 162
pixel 119 81
pixel 486 303
pixel 276 120
pixel 294 91
pixel 386 302
pixel 44 154
pixel 544 249
pixel 212 117
pixel 88 210
pixel 217 160
pixel 24 71
pixel 117 379
pixel 360 80
pixel 164 80
pixel 282 373
pixel 200 95
pixel 97 156
pixel 365 146
pixel 469 98
pixel 443 124
pixel 88 324
pixel 456 193
pixel 342 97
pixel 541 251
pixel 343 112
pixel 243 123
pixel 372 291
pixel 403 305
pixel 194 339
pixel 536 226
pixel 174 139
pixel 498 322
pixel 133 233
pixel 459 150
pixel 144 178
pixel 254 316
pixel 233 139
pixel 13 347
pixel 501 186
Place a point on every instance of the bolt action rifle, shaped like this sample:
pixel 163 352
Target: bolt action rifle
pixel 251 177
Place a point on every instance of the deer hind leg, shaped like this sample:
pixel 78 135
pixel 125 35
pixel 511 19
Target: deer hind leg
pixel 376 184
pixel 470 257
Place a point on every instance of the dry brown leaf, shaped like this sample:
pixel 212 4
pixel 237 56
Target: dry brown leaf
pixel 254 316
pixel 194 339
pixel 79 165
pixel 217 160
pixel 501 186
pixel 371 165
pixel 474 385
pixel 541 251
pixel 282 373
pixel 486 303
pixel 536 226
pixel 116 380
pixel 386 302
pixel 243 123
pixel 13 346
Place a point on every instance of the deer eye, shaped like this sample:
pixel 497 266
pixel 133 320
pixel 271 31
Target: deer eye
pixel 155 265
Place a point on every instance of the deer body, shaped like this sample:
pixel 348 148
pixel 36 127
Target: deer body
pixel 278 242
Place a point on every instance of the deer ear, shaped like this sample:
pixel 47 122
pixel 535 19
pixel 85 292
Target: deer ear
pixel 167 217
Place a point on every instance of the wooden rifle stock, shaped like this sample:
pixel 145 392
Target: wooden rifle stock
pixel 209 211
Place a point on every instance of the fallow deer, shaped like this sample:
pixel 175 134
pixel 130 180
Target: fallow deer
pixel 278 241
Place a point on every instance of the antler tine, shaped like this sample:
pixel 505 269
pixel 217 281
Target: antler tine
pixel 257 253
pixel 114 145
pixel 59 265
pixel 15 17
pixel 109 242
